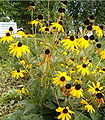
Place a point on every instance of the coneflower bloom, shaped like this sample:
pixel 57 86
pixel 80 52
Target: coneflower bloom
pixel 8 37
pixel 44 28
pixel 18 73
pixel 66 89
pixel 58 26
pixel 70 43
pixel 99 98
pixel 21 90
pixel 77 91
pixel 61 78
pixel 64 113
pixel 36 22
pixel 83 69
pixel 87 106
pixel 18 49
pixel 98 30
pixel 47 55
pixel 83 42
pixel 95 88
pixel 102 70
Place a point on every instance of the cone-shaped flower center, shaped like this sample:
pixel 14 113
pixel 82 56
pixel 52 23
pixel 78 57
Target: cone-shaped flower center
pixel 46 29
pixel 62 78
pixel 65 110
pixel 99 95
pixel 47 51
pixel 84 65
pixel 86 37
pixel 97 89
pixel 89 27
pixel 91 17
pixel 60 22
pixel 40 17
pixel 19 44
pixel 103 69
pixel 10 29
pixel 72 38
pixel 86 22
pixel 92 37
pixel 18 71
pixel 98 45
pixel 77 87
pixel 68 86
pixel 7 34
pixel 101 27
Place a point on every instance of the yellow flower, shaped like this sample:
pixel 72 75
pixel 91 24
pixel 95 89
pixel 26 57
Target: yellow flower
pixel 102 70
pixel 21 33
pixel 18 49
pixel 70 43
pixel 77 91
pixel 83 69
pixel 61 78
pixel 88 62
pixel 98 30
pixel 7 38
pixel 58 26
pixel 22 62
pixel 36 23
pixel 44 28
pixel 95 88
pixel 18 73
pixel 83 42
pixel 64 113
pixel 29 66
pixel 88 106
pixel 21 90
pixel 102 53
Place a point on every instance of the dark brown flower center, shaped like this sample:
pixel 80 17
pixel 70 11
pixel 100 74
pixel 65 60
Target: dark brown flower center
pixel 84 65
pixel 86 22
pixel 101 27
pixel 60 22
pixel 62 78
pixel 72 38
pixel 97 89
pixel 19 44
pixel 10 29
pixel 65 111
pixel 98 45
pixel 103 69
pixel 40 17
pixel 77 87
pixel 89 27
pixel 99 95
pixel 86 37
pixel 47 51
pixel 68 86
pixel 46 29
pixel 7 34
pixel 18 71
pixel 96 40
pixel 92 37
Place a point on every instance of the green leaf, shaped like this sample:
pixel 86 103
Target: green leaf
pixel 96 116
pixel 80 116
pixel 32 117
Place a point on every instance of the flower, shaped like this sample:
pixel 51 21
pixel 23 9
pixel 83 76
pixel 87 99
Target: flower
pixel 66 89
pixel 61 78
pixel 21 33
pixel 18 73
pixel 22 62
pixel 35 23
pixel 77 91
pixel 83 69
pixel 87 106
pixel 95 88
pixel 102 53
pixel 8 37
pixel 70 42
pixel 83 42
pixel 29 66
pixel 44 28
pixel 18 49
pixel 102 70
pixel 99 98
pixel 21 90
pixel 58 26
pixel 98 30
pixel 87 61
pixel 64 113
